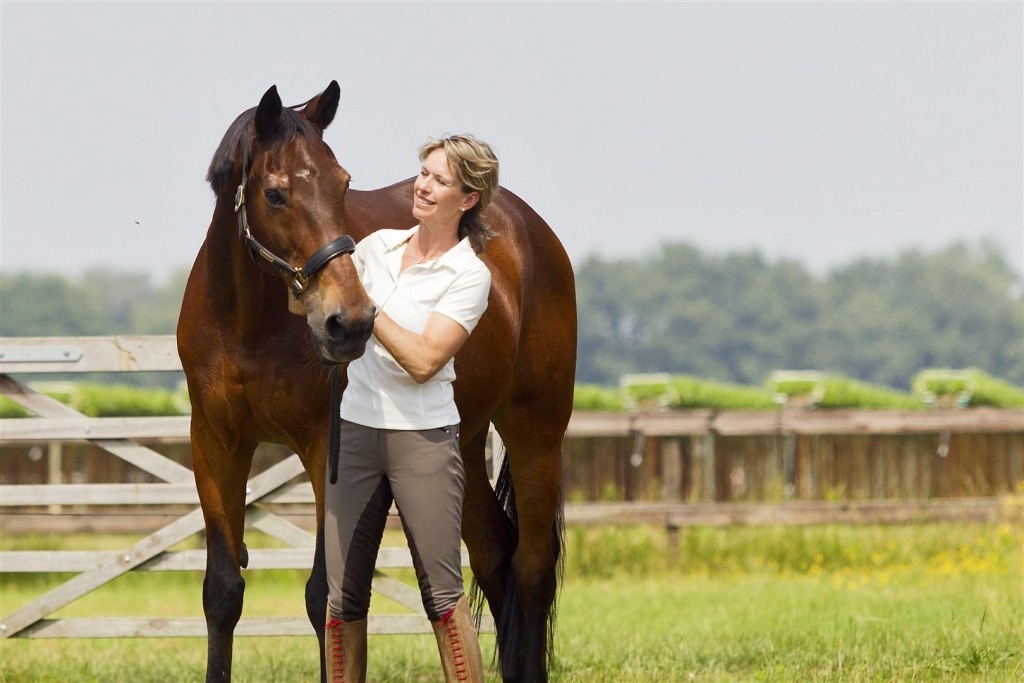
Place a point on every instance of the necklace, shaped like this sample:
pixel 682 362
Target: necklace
pixel 423 257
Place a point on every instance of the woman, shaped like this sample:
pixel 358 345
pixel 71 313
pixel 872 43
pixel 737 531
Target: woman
pixel 400 426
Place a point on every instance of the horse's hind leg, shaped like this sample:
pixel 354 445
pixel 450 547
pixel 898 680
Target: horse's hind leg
pixel 534 452
pixel 489 536
pixel 220 479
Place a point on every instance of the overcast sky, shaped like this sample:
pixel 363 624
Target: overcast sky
pixel 815 131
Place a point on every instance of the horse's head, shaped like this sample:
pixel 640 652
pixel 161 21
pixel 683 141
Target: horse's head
pixel 290 204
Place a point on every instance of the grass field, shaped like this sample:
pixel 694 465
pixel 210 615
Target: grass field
pixel 907 603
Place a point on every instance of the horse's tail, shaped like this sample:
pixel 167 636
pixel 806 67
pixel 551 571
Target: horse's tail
pixel 511 622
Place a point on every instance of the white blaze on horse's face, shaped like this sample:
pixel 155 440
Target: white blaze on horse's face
pixel 337 310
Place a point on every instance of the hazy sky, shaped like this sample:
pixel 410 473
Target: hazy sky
pixel 815 131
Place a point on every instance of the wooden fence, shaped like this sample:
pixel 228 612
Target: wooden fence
pixel 826 456
pixel 672 468
pixel 281 483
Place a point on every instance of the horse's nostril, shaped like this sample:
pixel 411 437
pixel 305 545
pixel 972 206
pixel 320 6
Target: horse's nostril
pixel 336 325
pixel 339 326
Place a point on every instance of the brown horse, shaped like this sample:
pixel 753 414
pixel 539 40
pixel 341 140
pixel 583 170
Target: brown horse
pixel 258 334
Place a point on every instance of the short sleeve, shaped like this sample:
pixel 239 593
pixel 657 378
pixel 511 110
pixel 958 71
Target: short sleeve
pixel 465 300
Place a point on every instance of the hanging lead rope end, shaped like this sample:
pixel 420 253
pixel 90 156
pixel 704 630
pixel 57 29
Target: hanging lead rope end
pixel 334 434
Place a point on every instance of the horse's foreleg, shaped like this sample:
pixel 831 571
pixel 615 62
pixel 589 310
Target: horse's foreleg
pixel 316 596
pixel 312 455
pixel 220 480
pixel 223 588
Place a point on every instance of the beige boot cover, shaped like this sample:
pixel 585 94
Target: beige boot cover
pixel 345 648
pixel 458 645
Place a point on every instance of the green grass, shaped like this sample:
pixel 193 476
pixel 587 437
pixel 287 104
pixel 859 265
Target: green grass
pixel 899 603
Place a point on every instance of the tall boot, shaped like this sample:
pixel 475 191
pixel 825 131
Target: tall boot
pixel 345 649
pixel 458 645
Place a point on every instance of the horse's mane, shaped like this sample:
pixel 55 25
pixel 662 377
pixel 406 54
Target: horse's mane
pixel 292 123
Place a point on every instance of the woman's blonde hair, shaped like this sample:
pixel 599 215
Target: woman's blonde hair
pixel 477 167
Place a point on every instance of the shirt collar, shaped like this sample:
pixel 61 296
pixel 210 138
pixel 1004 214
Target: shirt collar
pixel 394 239
pixel 455 258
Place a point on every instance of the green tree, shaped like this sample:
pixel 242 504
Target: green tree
pixel 738 317
pixel 733 317
pixel 959 307
pixel 46 305
pixel 101 302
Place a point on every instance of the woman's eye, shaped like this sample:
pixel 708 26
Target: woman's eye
pixel 274 197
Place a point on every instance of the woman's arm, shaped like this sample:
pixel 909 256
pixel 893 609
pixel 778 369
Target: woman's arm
pixel 421 355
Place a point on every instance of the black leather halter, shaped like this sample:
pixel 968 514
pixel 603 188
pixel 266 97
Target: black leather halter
pixel 298 278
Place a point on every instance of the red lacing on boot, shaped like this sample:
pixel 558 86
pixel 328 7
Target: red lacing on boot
pixel 455 642
pixel 337 662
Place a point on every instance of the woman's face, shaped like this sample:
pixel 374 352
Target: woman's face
pixel 437 193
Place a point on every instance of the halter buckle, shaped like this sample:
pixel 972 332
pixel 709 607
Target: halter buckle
pixel 298 283
pixel 239 197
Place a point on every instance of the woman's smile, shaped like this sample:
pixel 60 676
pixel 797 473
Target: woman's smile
pixel 439 197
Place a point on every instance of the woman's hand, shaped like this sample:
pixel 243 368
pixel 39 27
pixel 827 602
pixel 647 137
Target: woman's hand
pixel 421 355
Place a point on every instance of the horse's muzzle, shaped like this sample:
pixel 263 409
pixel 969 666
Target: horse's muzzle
pixel 342 337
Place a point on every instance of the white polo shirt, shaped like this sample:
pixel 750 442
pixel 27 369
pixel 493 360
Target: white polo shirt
pixel 380 393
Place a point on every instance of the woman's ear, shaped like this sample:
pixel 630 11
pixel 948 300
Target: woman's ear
pixel 470 200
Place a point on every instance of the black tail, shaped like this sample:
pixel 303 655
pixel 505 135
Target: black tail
pixel 511 623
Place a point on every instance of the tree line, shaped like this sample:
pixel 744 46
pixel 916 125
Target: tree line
pixel 738 317
pixel 734 317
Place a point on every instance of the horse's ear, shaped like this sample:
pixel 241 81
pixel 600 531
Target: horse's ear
pixel 268 114
pixel 321 109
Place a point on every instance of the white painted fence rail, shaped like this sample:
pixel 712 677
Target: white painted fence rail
pixel 56 423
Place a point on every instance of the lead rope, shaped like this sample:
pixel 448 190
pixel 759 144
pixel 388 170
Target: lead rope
pixel 334 435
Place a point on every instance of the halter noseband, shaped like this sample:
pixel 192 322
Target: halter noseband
pixel 298 278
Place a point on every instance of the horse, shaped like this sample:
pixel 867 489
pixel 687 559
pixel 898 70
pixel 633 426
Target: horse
pixel 261 341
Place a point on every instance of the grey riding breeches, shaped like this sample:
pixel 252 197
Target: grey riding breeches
pixel 422 472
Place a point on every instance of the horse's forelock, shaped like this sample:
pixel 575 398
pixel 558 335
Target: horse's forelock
pixel 292 123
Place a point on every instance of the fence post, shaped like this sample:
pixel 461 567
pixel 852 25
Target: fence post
pixel 789 467
pixel 53 467
pixel 672 490
pixel 709 488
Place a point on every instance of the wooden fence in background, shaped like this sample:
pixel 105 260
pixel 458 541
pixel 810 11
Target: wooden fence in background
pixel 675 468
pixel 703 456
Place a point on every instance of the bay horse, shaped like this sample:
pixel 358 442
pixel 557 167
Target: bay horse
pixel 261 335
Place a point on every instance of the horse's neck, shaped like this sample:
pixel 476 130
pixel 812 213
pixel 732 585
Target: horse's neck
pixel 235 283
pixel 388 207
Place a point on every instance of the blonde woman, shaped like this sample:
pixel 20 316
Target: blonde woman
pixel 400 425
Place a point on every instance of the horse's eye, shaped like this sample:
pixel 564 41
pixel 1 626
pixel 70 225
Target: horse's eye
pixel 275 197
